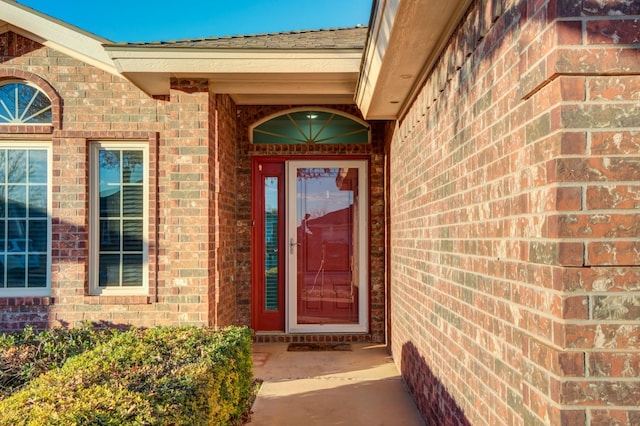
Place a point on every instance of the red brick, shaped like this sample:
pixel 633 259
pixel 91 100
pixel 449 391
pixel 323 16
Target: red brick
pixel 619 31
pixel 615 253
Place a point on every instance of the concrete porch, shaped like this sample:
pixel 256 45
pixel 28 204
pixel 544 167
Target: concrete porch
pixel 358 387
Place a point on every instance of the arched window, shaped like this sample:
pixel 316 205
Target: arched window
pixel 23 103
pixel 319 126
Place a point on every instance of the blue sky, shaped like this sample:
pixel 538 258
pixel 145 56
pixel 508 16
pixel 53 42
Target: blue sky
pixel 134 20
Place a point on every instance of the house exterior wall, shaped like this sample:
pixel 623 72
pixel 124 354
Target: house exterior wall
pixel 199 231
pixel 190 136
pixel 248 114
pixel 514 225
pixel 223 212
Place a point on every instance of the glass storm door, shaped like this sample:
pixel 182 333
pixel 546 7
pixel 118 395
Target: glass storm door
pixel 326 246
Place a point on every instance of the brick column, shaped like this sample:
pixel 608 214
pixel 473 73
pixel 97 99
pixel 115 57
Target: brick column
pixel 583 78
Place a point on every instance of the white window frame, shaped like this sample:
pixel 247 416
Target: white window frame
pixel 46 290
pixel 94 220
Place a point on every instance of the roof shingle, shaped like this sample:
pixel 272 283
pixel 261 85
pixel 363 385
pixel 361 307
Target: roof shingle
pixel 331 38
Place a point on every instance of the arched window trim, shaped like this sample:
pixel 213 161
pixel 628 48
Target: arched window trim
pixel 9 110
pixel 309 109
pixel 50 92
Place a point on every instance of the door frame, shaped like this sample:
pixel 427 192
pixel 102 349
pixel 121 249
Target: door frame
pixel 291 284
pixel 257 249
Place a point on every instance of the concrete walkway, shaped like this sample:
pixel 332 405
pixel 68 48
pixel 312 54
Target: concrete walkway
pixel 359 387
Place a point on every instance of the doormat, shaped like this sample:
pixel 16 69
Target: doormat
pixel 317 347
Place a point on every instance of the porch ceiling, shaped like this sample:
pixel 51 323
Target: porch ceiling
pixel 405 39
pixel 250 76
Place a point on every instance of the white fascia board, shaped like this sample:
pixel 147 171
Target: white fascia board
pixel 57 35
pixel 288 99
pixel 287 85
pixel 405 39
pixel 223 61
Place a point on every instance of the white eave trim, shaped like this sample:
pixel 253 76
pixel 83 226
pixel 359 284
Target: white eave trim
pixel 405 39
pixel 151 68
pixel 55 34
pixel 224 61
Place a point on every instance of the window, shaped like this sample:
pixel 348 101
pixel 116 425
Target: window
pixel 119 194
pixel 310 126
pixel 25 224
pixel 23 103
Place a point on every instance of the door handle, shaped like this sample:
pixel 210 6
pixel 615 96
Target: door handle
pixel 293 243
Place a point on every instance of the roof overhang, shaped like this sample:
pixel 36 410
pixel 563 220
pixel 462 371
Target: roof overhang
pixel 55 34
pixel 405 40
pixel 250 76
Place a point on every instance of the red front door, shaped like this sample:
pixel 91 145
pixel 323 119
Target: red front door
pixel 309 245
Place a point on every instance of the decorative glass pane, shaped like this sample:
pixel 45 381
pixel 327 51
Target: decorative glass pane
pixel 38 166
pixel 109 272
pixel 17 206
pixel 110 204
pixel 37 236
pixel 271 244
pixel 109 235
pixel 16 264
pixel 17 235
pixel 37 270
pixel 22 103
pixel 311 127
pixel 17 166
pixel 37 201
pixel 3 166
pixel 132 167
pixel 109 183
pixel 133 202
pixel 131 270
pixel 132 235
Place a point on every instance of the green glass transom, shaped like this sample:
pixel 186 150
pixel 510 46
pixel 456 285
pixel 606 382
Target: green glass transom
pixel 318 127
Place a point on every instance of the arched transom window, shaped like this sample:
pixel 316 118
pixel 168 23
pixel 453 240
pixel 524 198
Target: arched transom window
pixel 23 103
pixel 314 125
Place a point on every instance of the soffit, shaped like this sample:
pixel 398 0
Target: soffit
pixel 55 34
pixel 319 66
pixel 405 39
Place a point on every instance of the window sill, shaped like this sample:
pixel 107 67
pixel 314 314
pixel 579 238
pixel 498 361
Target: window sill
pixel 117 300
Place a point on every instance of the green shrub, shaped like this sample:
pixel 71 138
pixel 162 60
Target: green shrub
pixel 26 355
pixel 163 375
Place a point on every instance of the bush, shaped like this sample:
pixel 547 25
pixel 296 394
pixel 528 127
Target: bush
pixel 26 355
pixel 163 375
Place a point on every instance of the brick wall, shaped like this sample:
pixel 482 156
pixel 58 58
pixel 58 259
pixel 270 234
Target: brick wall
pixel 189 179
pixel 514 225
pixel 223 158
